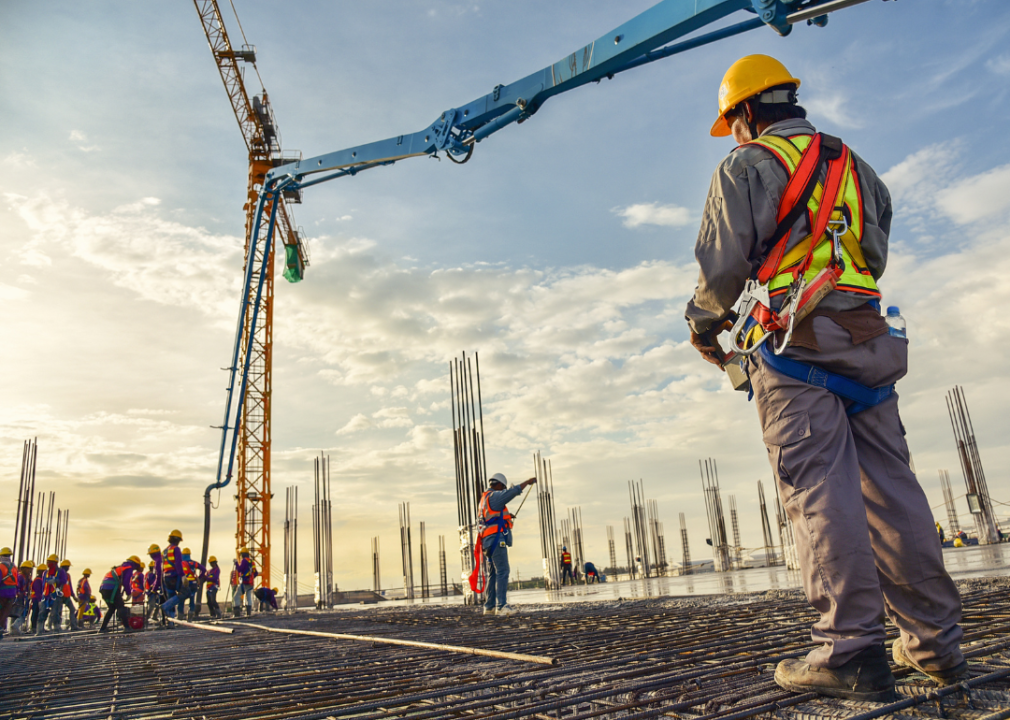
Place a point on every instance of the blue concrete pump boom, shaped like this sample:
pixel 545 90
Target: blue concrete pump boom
pixel 643 39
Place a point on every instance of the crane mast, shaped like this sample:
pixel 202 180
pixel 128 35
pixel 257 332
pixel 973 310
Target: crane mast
pixel 253 431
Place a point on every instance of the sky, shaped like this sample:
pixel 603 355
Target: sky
pixel 562 253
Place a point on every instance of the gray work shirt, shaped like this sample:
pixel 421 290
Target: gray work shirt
pixel 496 501
pixel 740 218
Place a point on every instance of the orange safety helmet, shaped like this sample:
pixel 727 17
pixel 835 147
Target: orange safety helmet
pixel 745 78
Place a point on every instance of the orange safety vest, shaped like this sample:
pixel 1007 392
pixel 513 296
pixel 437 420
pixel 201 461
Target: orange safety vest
pixel 566 558
pixel 8 576
pixel 493 521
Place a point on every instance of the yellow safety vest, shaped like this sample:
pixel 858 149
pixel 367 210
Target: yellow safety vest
pixel 856 277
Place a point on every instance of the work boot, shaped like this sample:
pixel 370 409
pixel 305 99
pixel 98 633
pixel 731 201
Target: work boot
pixel 866 677
pixel 248 611
pixel 948 676
pixel 505 611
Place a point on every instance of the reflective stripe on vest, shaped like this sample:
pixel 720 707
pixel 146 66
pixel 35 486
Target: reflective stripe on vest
pixel 566 558
pixel 492 519
pixel 856 277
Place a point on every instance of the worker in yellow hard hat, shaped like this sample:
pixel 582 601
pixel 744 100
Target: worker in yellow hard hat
pixel 173 575
pixel 117 580
pixel 267 598
pixel 66 601
pixel 244 574
pixel 213 584
pixel 8 586
pixel 56 587
pixel 154 587
pixel 796 226
pixel 22 603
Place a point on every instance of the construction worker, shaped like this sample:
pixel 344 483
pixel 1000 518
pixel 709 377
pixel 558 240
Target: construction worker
pixel 566 565
pixel 496 539
pixel 192 572
pixel 591 574
pixel 55 586
pixel 8 586
pixel 22 605
pixel 67 600
pixel 172 574
pixel 213 580
pixel 154 587
pixel 245 575
pixel 88 612
pixel 112 586
pixel 267 597
pixel 939 532
pixel 38 588
pixel 828 413
pixel 137 590
pixel 84 585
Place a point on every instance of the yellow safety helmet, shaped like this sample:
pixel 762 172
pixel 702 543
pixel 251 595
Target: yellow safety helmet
pixel 185 551
pixel 87 571
pixel 135 560
pixel 242 551
pixel 175 534
pixel 153 549
pixel 274 590
pixel 6 551
pixel 745 78
pixel 27 564
pixel 151 565
pixel 92 598
pixel 65 563
pixel 212 558
pixel 40 569
pixel 51 558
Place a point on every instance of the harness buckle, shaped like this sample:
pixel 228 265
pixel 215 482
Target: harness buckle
pixel 753 295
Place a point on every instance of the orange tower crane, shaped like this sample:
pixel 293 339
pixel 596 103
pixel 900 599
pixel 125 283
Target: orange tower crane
pixel 259 130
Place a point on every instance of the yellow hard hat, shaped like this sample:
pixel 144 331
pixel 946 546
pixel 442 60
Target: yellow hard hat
pixel 6 551
pixel 27 564
pixel 65 563
pixel 746 78
pixel 87 571
pixel 153 549
pixel 151 565
pixel 274 590
pixel 135 560
pixel 40 569
pixel 243 551
pixel 175 534
pixel 212 559
pixel 185 551
pixel 92 598
pixel 51 558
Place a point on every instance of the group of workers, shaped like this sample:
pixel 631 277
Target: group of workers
pixel 171 580
pixel 569 574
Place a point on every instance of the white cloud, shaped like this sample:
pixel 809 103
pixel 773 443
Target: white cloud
pixel 977 197
pixel 355 424
pixel 9 293
pixel 132 247
pixel 835 109
pixel 999 64
pixel 76 136
pixel 654 214
pixel 19 160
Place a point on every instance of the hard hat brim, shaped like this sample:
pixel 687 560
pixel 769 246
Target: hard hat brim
pixel 720 128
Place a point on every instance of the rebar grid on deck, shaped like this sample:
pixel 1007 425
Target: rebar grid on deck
pixel 698 659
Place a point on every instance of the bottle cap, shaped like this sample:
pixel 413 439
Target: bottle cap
pixel 893 310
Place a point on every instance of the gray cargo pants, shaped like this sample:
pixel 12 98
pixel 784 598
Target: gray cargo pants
pixel 864 531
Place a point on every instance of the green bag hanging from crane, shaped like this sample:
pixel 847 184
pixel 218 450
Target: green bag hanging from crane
pixel 294 271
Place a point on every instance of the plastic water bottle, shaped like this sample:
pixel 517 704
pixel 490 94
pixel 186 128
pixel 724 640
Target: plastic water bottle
pixel 895 322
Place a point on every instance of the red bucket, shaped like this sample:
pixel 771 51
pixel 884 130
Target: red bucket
pixel 136 622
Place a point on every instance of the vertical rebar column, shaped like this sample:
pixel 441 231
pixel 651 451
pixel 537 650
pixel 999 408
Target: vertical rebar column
pixel 716 520
pixel 636 491
pixel 376 579
pixel 630 549
pixel 685 561
pixel 442 575
pixel 948 499
pixel 406 551
pixel 766 528
pixel 613 550
pixel 290 548
pixel 979 503
pixel 29 523
pixel 735 524
pixel 425 588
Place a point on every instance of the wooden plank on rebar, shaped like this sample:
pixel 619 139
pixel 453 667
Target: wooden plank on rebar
pixel 212 628
pixel 409 643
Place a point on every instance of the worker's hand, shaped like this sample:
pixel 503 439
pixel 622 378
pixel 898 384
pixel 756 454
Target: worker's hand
pixel 531 481
pixel 708 345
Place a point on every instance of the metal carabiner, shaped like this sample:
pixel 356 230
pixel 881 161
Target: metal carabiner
pixel 754 293
pixel 836 238
pixel 795 294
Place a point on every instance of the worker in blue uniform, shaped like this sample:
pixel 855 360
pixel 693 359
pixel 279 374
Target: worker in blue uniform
pixel 496 539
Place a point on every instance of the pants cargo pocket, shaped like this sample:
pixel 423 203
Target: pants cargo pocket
pixel 788 442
